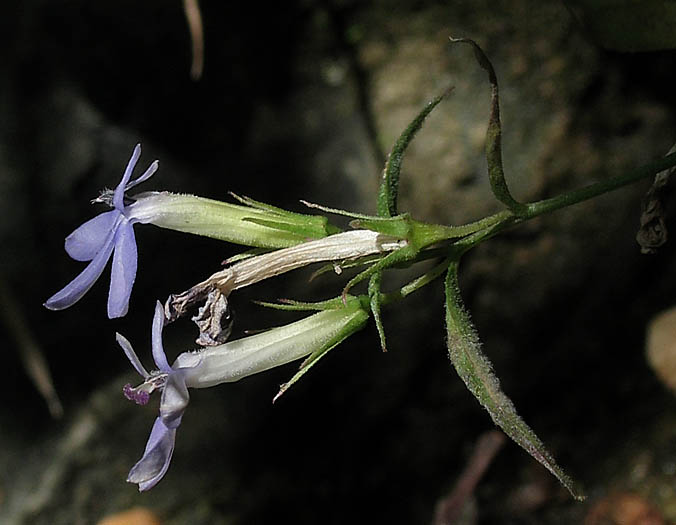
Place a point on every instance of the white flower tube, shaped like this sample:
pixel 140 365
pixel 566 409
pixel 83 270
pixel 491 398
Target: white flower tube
pixel 257 353
pixel 338 247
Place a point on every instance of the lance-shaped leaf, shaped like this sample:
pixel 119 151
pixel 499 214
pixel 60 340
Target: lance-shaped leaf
pixel 496 174
pixel 476 371
pixel 389 187
pixel 374 300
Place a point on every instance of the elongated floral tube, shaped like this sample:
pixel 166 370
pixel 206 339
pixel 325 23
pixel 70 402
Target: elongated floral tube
pixel 234 223
pixel 237 359
pixel 337 247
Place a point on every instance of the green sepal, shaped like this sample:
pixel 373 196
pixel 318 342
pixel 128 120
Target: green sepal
pixel 389 187
pixel 248 201
pixel 336 211
pixel 309 231
pixel 402 255
pixel 398 226
pixel 344 265
pixel 476 371
pixel 300 306
pixel 314 226
pixel 353 325
pixel 418 234
pixel 416 284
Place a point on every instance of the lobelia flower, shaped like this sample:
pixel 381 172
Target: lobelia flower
pixel 221 364
pixel 111 232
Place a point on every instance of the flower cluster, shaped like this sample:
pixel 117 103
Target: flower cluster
pixel 299 240
pixel 287 241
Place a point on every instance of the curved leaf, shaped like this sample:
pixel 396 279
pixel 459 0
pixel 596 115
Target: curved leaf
pixel 476 371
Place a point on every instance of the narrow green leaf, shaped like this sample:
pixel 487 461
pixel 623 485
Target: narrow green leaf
pixel 389 187
pixel 496 174
pixel 476 371
pixel 374 299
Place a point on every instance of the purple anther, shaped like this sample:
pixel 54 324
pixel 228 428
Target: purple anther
pixel 138 396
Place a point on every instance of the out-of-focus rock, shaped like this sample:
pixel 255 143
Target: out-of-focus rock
pixel 661 347
pixel 135 516
pixel 624 509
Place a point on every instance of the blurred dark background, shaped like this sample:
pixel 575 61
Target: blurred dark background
pixel 299 100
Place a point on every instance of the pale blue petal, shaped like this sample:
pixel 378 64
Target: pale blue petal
pixel 174 400
pixel 86 241
pixel 123 272
pixel 155 461
pixel 131 355
pixel 146 175
pixel 118 196
pixel 79 286
pixel 158 351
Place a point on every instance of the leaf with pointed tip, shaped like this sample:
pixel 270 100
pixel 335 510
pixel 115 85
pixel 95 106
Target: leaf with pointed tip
pixel 496 174
pixel 476 371
pixel 375 297
pixel 389 187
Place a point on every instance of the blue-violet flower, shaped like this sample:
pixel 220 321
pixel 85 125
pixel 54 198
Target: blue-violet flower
pixel 220 364
pixel 252 224
pixel 109 233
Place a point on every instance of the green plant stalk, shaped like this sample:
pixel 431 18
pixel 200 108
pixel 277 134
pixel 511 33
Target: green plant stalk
pixel 599 188
pixel 424 234
pixel 505 219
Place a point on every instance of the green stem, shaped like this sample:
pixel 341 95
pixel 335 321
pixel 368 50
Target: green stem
pixel 500 221
pixel 415 285
pixel 599 188
pixel 425 234
pixel 481 230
